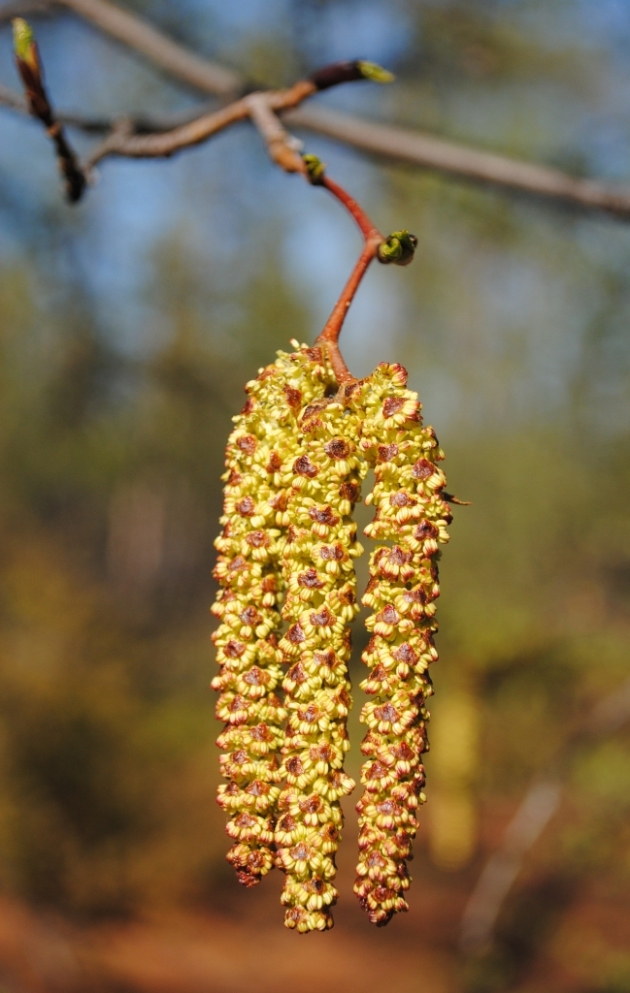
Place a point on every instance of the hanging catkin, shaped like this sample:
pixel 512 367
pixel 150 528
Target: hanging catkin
pixel 325 479
pixel 411 517
pixel 254 523
pixel 295 463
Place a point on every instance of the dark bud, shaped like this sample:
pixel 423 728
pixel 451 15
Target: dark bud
pixel 348 72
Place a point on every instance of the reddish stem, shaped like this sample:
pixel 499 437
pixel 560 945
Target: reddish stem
pixel 367 228
pixel 373 238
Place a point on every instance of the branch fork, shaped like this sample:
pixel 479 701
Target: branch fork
pixel 261 108
pixel 394 143
pixel 386 250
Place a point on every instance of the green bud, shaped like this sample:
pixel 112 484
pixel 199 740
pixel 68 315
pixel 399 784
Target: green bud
pixel 315 168
pixel 375 73
pixel 24 42
pixel 398 249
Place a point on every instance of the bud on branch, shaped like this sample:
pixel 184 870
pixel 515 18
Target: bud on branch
pixel 348 72
pixel 398 249
pixel 30 69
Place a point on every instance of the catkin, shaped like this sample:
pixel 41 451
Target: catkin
pixel 295 463
pixel 318 568
pixel 248 605
pixel 411 518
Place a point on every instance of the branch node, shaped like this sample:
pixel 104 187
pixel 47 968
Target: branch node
pixel 418 148
pixel 282 146
pixel 315 169
pixel 348 72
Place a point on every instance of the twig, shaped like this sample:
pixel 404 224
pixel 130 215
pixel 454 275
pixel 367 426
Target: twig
pixel 332 329
pixel 367 228
pixel 282 147
pixel 202 128
pixel 373 238
pixel 502 868
pixel 396 144
pixel 376 246
pixel 24 8
pixel 418 148
pixel 104 125
pixel 29 66
pixel 531 818
pixel 9 98
pixel 138 146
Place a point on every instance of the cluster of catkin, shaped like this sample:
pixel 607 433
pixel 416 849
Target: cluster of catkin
pixel 295 462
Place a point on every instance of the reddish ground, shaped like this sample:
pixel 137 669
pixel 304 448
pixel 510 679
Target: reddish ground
pixel 240 945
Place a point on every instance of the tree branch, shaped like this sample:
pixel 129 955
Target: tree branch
pixel 420 148
pixel 393 143
pixel 398 249
pixel 104 125
pixel 29 67
pixel 202 128
pixel 538 806
pixel 9 98
pixel 282 147
pixel 24 8
pixel 499 874
pixel 372 240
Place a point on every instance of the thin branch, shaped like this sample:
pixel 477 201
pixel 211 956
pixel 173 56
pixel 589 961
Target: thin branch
pixel 10 98
pixel 104 125
pixel 420 148
pixel 282 147
pixel 24 8
pixel 375 246
pixel 332 329
pixel 393 143
pixel 396 144
pixel 538 806
pixel 367 228
pixel 502 868
pixel 180 62
pixel 29 67
pixel 202 128
pixel 187 135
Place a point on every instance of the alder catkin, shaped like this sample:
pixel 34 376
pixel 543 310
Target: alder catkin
pixel 325 479
pixel 248 605
pixel 295 462
pixel 411 517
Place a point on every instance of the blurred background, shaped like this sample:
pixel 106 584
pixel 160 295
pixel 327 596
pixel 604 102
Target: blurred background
pixel 128 326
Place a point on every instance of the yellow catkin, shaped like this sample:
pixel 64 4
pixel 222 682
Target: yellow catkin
pixel 410 521
pixel 254 523
pixel 325 479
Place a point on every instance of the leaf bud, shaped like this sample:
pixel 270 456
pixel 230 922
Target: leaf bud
pixel 398 249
